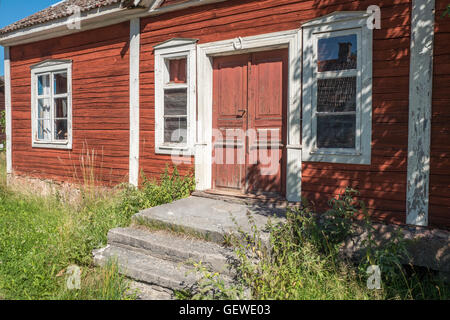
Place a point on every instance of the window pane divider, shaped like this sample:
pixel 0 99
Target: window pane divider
pixel 175 116
pixel 338 113
pixel 337 74
pixel 60 95
pixel 169 86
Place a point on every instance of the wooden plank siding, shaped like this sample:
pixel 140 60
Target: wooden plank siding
pixel 100 106
pixel 440 119
pixel 383 183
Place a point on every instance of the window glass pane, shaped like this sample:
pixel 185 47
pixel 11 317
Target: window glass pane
pixel 175 102
pixel 60 82
pixel 337 53
pixel 61 108
pixel 175 130
pixel 44 108
pixel 44 85
pixel 61 129
pixel 336 131
pixel 44 131
pixel 177 70
pixel 336 95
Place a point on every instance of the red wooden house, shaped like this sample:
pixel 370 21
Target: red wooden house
pixel 336 93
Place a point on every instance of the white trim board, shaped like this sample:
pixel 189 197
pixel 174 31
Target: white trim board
pixel 203 148
pixel 8 111
pixel 134 101
pixel 420 101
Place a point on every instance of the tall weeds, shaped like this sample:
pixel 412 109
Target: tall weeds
pixel 41 236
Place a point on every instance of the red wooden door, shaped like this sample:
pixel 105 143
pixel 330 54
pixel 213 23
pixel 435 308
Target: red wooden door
pixel 249 118
pixel 267 104
pixel 229 122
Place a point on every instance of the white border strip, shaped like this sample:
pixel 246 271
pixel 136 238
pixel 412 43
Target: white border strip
pixel 420 101
pixel 8 110
pixel 134 101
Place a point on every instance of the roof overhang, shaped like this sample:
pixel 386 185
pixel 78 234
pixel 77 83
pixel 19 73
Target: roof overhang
pixel 93 19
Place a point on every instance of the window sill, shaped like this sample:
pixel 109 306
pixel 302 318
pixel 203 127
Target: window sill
pixel 66 145
pixel 174 150
pixel 335 156
pixel 334 152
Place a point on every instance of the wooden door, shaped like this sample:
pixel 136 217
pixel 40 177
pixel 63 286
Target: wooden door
pixel 229 122
pixel 267 104
pixel 249 115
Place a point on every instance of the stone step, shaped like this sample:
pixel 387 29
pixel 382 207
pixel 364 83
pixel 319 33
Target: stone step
pixel 148 269
pixel 175 248
pixel 144 291
pixel 210 219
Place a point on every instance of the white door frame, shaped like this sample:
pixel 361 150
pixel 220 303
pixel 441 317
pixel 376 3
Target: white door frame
pixel 290 39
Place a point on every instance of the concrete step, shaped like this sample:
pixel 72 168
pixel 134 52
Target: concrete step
pixel 210 219
pixel 148 269
pixel 143 291
pixel 175 248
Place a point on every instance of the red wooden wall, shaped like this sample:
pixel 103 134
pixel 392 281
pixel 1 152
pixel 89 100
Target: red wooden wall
pixel 440 121
pixel 382 184
pixel 100 103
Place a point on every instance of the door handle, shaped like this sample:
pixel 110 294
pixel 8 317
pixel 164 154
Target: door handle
pixel 243 112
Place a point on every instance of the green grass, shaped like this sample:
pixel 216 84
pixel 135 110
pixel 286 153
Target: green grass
pixel 40 237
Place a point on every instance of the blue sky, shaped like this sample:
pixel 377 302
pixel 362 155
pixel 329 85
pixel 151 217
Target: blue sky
pixel 13 10
pixel 329 47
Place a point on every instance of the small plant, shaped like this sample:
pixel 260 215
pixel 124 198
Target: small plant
pixel 447 11
pixel 213 286
pixel 389 257
pixel 337 222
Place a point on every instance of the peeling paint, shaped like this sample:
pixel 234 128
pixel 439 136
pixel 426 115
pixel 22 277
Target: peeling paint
pixel 419 129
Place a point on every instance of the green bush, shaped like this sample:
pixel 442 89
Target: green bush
pixel 153 193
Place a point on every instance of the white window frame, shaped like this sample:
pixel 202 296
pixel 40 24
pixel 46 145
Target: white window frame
pixel 338 24
pixel 175 49
pixel 51 67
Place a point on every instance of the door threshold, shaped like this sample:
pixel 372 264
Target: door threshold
pixel 264 200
